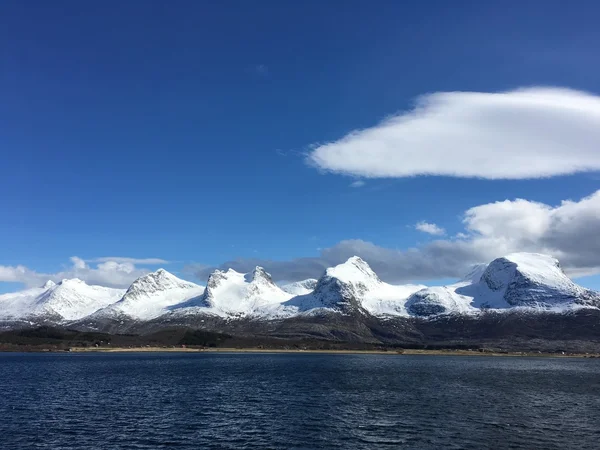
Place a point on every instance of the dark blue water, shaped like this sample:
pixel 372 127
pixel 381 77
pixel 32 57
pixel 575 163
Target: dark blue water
pixel 260 401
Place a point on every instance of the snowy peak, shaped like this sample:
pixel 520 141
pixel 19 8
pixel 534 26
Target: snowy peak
pixel 354 270
pixel 161 280
pixel 151 295
pixel 73 299
pixel 353 287
pixel 355 275
pixel 68 300
pixel 343 287
pixel 260 276
pixel 262 285
pixel 214 280
pixel 231 292
pixel 535 267
pixel 531 279
pixel 218 279
pixel 71 283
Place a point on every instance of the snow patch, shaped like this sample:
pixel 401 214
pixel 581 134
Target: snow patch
pixel 300 287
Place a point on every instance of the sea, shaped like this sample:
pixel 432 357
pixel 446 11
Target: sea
pixel 296 401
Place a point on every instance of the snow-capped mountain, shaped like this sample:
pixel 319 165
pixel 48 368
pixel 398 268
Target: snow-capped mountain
pixel 436 300
pixel 68 300
pixel 234 293
pixel 525 280
pixel 300 287
pixel 354 287
pixel 17 305
pixel 150 296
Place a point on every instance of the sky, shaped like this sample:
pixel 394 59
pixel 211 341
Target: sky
pixel 422 136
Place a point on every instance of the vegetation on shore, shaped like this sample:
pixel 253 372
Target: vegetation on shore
pixel 44 339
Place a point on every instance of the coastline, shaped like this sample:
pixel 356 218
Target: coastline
pixel 391 352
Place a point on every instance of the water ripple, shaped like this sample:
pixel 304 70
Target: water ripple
pixel 296 401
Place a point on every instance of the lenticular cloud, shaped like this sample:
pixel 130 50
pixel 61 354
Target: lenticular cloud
pixel 526 133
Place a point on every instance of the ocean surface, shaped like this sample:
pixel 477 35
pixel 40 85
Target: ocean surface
pixel 296 401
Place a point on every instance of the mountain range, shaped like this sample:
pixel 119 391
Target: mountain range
pixel 524 282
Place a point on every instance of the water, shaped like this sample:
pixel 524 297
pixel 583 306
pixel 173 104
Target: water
pixel 299 401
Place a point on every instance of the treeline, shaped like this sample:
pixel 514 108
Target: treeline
pixel 52 338
pixel 203 338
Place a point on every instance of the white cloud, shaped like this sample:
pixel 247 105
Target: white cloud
pixel 117 272
pixel 13 274
pixel 78 263
pixel 357 184
pixel 430 228
pixel 569 231
pixel 526 133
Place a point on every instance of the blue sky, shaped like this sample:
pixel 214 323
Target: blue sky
pixel 181 131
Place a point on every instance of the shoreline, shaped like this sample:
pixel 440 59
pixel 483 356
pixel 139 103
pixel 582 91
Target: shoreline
pixel 391 352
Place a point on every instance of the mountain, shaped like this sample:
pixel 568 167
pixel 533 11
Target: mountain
pixel 300 287
pixel 68 300
pixel 521 282
pixel 436 300
pixel 518 280
pixel 353 287
pixel 233 293
pixel 522 301
pixel 150 296
pixel 530 280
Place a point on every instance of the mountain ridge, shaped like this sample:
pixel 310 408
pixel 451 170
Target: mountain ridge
pixel 520 281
